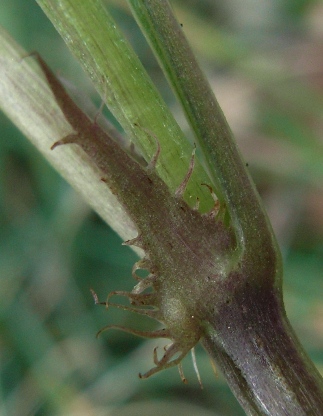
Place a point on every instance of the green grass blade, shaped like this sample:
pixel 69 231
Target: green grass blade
pixel 119 77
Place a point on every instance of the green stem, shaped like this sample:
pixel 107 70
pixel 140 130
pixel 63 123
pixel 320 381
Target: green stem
pixel 233 183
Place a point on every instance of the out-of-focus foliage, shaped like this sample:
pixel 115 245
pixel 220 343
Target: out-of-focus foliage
pixel 264 60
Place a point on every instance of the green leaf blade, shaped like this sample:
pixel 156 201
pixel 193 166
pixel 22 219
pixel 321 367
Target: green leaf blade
pixel 119 77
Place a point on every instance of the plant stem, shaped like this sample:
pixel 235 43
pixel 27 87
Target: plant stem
pixel 234 186
pixel 249 336
pixel 255 347
pixel 238 303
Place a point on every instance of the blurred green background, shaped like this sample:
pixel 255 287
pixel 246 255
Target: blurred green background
pixel 264 60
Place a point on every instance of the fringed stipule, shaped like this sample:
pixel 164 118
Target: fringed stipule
pixel 181 189
pixel 70 139
pixel 168 230
pixel 196 368
pixel 216 207
pixel 143 264
pixel 137 242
